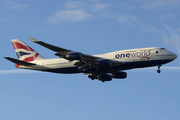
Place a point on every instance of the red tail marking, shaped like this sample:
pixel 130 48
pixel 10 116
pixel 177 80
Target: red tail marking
pixel 16 65
pixel 29 59
pixel 17 45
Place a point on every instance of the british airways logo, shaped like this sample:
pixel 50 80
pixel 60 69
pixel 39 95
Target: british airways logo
pixel 142 54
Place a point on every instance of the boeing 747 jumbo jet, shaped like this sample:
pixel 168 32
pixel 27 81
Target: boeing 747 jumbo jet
pixel 103 67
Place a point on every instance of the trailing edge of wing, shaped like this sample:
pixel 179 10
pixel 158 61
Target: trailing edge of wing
pixel 116 63
pixel 19 62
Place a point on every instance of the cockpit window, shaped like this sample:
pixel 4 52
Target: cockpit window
pixel 163 49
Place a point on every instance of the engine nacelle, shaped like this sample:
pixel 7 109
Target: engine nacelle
pixel 104 63
pixel 120 75
pixel 74 56
pixel 105 78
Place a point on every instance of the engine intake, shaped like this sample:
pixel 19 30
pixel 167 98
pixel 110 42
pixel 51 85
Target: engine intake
pixel 74 56
pixel 120 75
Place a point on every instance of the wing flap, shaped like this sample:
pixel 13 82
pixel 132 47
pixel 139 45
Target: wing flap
pixel 117 63
pixel 90 58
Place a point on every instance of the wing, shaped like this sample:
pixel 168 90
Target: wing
pixel 64 53
pixel 84 61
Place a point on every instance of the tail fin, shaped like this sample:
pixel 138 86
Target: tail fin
pixel 24 52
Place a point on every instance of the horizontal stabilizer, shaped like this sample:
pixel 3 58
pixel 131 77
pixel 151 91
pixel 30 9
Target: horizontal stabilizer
pixel 19 62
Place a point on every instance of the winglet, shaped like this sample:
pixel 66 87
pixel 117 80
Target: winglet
pixel 33 40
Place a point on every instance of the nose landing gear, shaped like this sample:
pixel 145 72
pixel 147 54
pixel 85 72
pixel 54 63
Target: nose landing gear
pixel 159 71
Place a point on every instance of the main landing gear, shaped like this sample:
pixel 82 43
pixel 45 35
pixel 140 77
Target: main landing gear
pixel 93 76
pixel 159 71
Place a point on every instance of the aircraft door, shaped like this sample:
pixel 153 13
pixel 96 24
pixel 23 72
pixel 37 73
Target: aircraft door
pixel 151 55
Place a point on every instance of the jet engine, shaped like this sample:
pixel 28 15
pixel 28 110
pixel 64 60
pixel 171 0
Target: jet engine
pixel 104 63
pixel 105 78
pixel 120 75
pixel 74 56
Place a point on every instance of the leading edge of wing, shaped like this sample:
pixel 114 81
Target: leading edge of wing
pixel 51 47
pixel 62 50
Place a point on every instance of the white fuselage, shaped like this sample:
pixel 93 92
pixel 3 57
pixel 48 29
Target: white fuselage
pixel 133 58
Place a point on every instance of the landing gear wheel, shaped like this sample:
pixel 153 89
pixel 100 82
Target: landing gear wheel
pixel 92 76
pixel 159 71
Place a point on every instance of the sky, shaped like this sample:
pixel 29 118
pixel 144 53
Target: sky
pixel 91 27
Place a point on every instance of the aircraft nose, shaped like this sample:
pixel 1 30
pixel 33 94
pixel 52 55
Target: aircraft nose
pixel 175 56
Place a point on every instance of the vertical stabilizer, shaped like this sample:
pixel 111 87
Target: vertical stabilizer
pixel 24 52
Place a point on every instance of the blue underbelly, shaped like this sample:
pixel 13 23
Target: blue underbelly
pixel 128 65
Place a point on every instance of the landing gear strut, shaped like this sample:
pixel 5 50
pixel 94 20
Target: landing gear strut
pixel 159 71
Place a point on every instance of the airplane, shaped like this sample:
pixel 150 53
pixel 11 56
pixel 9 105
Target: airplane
pixel 103 67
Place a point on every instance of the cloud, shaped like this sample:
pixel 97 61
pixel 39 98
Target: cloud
pixel 75 5
pixel 154 4
pixel 16 71
pixel 149 28
pixel 126 19
pixel 179 30
pixel 100 7
pixel 69 16
pixel 135 21
pixel 14 5
pixel 167 16
pixel 154 69
pixel 140 70
pixel 174 39
pixel 77 11
pixel 85 5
